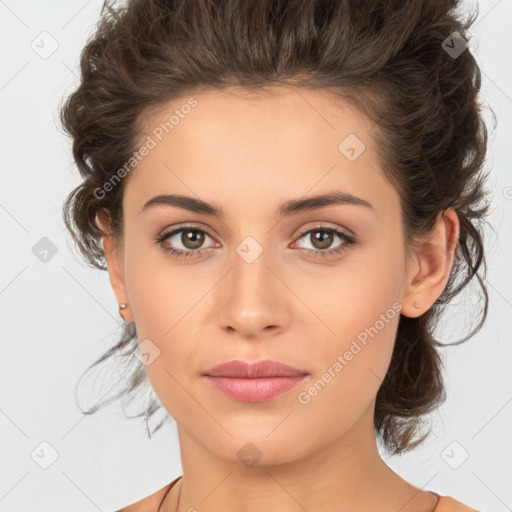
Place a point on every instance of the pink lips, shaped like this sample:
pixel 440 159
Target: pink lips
pixel 254 382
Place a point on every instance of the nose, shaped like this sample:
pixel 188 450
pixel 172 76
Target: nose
pixel 252 300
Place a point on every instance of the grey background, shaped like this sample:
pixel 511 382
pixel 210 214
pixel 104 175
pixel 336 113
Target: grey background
pixel 59 315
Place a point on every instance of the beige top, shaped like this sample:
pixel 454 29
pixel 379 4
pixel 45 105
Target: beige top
pixel 152 502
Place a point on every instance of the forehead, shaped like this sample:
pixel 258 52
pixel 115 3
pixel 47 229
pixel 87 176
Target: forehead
pixel 286 109
pixel 282 141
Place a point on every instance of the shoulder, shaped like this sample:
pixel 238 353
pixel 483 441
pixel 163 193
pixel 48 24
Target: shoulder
pixel 448 504
pixel 151 502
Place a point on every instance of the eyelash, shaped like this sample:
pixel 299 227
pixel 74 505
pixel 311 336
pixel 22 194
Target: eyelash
pixel 178 253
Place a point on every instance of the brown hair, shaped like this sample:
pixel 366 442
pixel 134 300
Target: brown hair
pixel 390 58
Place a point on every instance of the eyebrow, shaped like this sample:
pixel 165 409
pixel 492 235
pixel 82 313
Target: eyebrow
pixel 292 207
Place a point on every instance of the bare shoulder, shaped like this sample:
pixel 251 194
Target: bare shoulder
pixel 151 502
pixel 448 504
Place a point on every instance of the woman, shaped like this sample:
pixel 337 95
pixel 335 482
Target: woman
pixel 285 194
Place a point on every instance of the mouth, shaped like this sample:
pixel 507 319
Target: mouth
pixel 254 382
pixel 254 390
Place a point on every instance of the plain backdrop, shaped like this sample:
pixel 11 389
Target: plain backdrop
pixel 58 315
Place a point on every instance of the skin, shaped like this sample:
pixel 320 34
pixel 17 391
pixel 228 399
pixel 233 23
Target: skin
pixel 247 154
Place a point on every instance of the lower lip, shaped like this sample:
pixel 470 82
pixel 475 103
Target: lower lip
pixel 254 390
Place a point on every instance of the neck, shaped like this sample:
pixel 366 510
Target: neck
pixel 347 474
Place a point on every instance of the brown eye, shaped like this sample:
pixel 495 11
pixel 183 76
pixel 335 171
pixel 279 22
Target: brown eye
pixel 184 242
pixel 192 238
pixel 321 239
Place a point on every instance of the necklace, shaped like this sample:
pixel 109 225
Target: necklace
pixel 179 496
pixel 167 493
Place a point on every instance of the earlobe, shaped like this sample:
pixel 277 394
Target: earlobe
pixel 428 276
pixel 114 260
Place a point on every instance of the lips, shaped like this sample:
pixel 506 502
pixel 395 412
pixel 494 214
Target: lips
pixel 259 369
pixel 254 382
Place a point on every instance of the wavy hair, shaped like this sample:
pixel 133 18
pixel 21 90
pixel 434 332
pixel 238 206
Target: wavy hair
pixel 394 60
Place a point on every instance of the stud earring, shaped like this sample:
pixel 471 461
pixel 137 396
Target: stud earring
pixel 122 306
pixel 416 305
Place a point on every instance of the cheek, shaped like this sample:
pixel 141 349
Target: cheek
pixel 164 301
pixel 160 293
pixel 361 311
pixel 357 360
pixel 351 370
pixel 358 300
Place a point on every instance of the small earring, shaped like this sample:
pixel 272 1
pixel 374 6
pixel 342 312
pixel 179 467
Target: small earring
pixel 122 306
pixel 416 305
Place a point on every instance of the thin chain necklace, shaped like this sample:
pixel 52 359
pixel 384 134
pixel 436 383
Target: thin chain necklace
pixel 167 493
pixel 179 496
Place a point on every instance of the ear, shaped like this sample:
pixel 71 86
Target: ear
pixel 114 259
pixel 429 271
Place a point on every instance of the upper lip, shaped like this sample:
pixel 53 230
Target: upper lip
pixel 258 369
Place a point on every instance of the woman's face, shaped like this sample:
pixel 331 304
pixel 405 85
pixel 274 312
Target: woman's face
pixel 252 284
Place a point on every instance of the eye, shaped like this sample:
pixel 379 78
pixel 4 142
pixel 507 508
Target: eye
pixel 323 237
pixel 190 237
